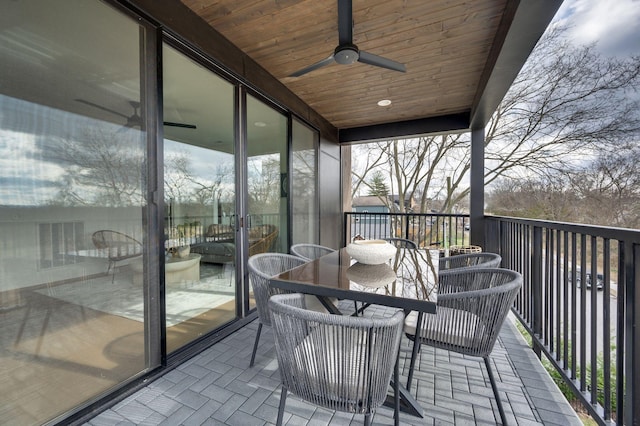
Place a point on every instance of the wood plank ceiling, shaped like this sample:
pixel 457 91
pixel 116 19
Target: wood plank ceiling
pixel 445 45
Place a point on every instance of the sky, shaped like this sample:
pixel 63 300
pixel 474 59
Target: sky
pixel 613 24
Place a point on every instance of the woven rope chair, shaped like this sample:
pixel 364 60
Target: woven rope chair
pixel 342 363
pixel 472 306
pixel 262 267
pixel 402 243
pixel 117 247
pixel 310 252
pixel 470 260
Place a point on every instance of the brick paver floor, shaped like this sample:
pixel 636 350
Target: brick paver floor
pixel 217 387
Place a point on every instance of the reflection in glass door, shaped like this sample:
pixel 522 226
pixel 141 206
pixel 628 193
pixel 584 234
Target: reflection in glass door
pixel 304 170
pixel 267 183
pixel 72 208
pixel 200 200
pixel 266 178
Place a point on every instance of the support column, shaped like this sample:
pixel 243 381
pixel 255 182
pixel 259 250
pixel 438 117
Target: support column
pixel 476 197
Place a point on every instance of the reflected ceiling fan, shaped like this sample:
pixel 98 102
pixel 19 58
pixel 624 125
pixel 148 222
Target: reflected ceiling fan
pixel 134 120
pixel 346 52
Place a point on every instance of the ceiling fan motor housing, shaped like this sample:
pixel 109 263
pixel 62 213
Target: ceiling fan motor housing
pixel 346 54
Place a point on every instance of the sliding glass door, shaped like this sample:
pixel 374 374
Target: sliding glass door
pixel 200 198
pixel 267 182
pixel 73 206
pixel 304 175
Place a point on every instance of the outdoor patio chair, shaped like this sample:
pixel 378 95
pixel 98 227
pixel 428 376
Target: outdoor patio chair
pixel 117 247
pixel 470 260
pixel 342 363
pixel 472 306
pixel 262 267
pixel 309 251
pixel 402 243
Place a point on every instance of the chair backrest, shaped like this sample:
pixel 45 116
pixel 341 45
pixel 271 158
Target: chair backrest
pixel 309 251
pixel 402 243
pixel 470 260
pixel 262 267
pixel 118 246
pixel 472 305
pixel 339 362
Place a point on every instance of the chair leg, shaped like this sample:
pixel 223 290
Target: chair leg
pixel 367 419
pixel 503 417
pixel 396 390
pixel 283 398
pixel 112 266
pixel 412 365
pixel 255 345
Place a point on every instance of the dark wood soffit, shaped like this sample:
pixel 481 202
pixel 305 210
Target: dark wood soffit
pixel 432 125
pixel 522 26
pixel 187 26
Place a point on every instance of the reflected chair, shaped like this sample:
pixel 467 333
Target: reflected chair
pixel 402 243
pixel 337 362
pixel 310 251
pixel 262 267
pixel 470 260
pixel 472 306
pixel 117 246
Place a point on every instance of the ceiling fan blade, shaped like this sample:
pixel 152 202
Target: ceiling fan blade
pixel 379 61
pixel 102 108
pixel 183 125
pixel 313 67
pixel 345 22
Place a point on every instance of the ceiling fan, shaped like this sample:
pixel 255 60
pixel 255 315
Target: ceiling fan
pixel 134 120
pixel 346 52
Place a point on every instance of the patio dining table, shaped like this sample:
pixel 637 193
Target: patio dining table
pixel 408 281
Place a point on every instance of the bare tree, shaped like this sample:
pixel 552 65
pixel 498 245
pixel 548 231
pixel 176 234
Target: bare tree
pixel 548 199
pixel 101 167
pixel 264 184
pixel 567 105
pixel 430 170
pixel 609 189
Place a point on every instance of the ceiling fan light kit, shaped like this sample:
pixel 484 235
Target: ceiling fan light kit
pixel 346 52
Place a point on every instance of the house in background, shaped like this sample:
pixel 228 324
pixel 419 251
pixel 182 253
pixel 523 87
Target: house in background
pixel 372 218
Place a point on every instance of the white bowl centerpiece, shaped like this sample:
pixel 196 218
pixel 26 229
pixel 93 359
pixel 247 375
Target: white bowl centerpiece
pixel 371 252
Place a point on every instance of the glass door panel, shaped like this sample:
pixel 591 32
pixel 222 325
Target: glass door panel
pixel 72 206
pixel 267 181
pixel 200 200
pixel 304 205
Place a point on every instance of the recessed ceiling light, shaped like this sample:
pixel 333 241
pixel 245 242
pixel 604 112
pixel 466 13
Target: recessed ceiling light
pixel 384 102
pixel 260 124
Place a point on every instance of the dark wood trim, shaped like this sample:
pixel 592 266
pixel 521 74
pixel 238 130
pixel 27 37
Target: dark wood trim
pixel 522 25
pixel 440 124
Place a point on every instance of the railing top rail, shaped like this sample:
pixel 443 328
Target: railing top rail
pixel 466 215
pixel 621 234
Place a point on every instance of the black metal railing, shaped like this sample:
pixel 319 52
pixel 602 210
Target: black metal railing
pixel 580 299
pixel 424 229
pixel 581 304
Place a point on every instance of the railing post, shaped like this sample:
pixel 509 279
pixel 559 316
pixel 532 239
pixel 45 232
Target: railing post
pixel 536 288
pixel 632 347
pixel 406 228
pixel 346 228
